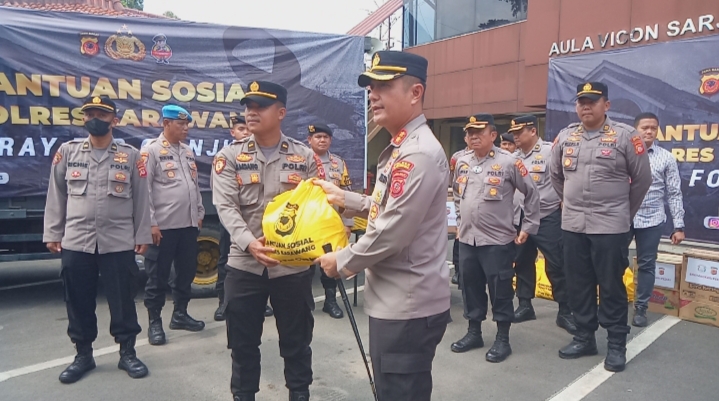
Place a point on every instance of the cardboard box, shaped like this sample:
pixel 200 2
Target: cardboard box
pixel 698 312
pixel 664 301
pixel 700 277
pixel 667 273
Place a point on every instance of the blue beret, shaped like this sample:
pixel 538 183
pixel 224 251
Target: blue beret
pixel 174 112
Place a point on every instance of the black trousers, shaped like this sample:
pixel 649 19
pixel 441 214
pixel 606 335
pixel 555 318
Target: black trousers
pixel 291 298
pixel 591 260
pixel 225 242
pixel 455 257
pixel 328 283
pixel 402 352
pixel 178 246
pixel 484 266
pixel 548 240
pixel 80 272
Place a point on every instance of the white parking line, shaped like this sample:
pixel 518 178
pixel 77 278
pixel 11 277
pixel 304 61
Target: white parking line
pixel 26 370
pixel 15 287
pixel 589 381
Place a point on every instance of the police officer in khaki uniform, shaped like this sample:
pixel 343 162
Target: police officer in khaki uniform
pixel 97 216
pixel 601 171
pixel 455 247
pixel 238 131
pixel 485 183
pixel 406 290
pixel 319 136
pixel 247 175
pixel 176 212
pixel 536 155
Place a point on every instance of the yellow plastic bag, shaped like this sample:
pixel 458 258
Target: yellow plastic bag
pixel 299 223
pixel 543 287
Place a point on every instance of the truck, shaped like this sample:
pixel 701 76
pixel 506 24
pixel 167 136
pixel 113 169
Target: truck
pixel 51 61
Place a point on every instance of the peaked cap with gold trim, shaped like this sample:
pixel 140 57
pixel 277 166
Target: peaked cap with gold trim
pixel 264 93
pixel 389 65
pixel 592 90
pixel 521 122
pixel 479 121
pixel 100 103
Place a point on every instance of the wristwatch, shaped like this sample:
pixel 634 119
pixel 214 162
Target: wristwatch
pixel 678 230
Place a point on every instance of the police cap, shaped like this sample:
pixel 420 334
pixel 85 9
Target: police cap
pixel 100 103
pixel 389 65
pixel 507 137
pixel 175 112
pixel 592 90
pixel 479 121
pixel 264 93
pixel 315 128
pixel 238 119
pixel 521 122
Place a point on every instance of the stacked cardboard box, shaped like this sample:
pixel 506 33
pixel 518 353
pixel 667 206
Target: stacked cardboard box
pixel 667 278
pixel 699 287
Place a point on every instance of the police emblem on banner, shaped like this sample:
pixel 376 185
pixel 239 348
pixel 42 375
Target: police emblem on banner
pixel 161 51
pixel 709 82
pixel 89 44
pixel 123 45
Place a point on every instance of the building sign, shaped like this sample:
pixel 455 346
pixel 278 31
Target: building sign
pixel 648 33
pixel 683 92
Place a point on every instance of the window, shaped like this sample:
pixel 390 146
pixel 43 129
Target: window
pixel 428 20
pixel 419 19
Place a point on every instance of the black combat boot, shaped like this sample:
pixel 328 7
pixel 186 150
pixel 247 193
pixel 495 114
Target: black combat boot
pixel 471 340
pixel 83 363
pixel 268 311
pixel 155 333
pixel 300 395
pixel 565 319
pixel 616 352
pixel 129 362
pixel 331 308
pixel 640 317
pixel 583 344
pixel 244 397
pixel 500 349
pixel 182 321
pixel 220 312
pixel 525 311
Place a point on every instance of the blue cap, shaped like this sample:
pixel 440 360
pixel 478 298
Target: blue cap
pixel 175 112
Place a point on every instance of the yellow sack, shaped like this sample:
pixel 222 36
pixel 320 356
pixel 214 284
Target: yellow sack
pixel 360 224
pixel 298 223
pixel 543 287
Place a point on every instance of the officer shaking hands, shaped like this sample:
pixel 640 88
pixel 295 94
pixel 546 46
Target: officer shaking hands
pixel 406 290
pixel 247 175
pixel 484 186
pixel 536 154
pixel 97 217
pixel 335 170
pixel 601 171
pixel 176 213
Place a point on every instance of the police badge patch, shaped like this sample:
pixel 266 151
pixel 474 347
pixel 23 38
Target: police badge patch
pixel 89 44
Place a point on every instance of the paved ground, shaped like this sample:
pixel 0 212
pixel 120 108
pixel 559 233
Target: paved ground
pixel 680 364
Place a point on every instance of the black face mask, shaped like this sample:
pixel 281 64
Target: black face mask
pixel 97 127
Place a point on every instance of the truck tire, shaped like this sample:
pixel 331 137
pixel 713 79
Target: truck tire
pixel 208 254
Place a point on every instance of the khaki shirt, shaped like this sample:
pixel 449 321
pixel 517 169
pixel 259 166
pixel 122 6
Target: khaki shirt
pixel 244 182
pixel 486 186
pixel 453 161
pixel 591 172
pixel 175 199
pixel 335 171
pixel 403 248
pixel 538 163
pixel 95 204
